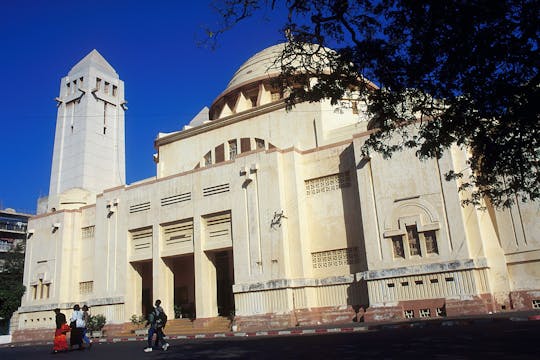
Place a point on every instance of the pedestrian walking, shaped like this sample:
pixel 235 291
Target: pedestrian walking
pixel 157 320
pixel 60 339
pixel 86 319
pixel 76 323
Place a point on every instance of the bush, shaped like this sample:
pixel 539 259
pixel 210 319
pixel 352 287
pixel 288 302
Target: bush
pixel 138 320
pixel 96 322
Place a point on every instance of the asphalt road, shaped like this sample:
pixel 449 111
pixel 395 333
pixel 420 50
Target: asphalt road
pixel 493 340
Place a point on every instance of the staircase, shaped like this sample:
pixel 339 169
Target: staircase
pixel 176 327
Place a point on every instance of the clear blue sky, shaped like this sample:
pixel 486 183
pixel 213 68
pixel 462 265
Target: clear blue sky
pixel 153 46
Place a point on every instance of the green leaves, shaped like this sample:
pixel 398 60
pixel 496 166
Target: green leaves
pixel 459 72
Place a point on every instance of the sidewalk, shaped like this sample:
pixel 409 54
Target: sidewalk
pixel 331 328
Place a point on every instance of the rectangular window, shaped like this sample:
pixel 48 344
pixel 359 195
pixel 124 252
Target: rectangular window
pixel 414 241
pixel 354 105
pixel 259 143
pixel 34 292
pixel 86 287
pixel 397 244
pixel 98 83
pixel 81 79
pixel 431 242
pixel 208 159
pixel 245 145
pixel 220 153
pixel 88 232
pixel 106 88
pixel 327 183
pixel 40 286
pixel 233 149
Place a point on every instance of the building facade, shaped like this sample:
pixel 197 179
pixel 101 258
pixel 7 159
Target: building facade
pixel 275 217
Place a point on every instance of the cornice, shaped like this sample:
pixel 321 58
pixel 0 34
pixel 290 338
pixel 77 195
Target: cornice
pixel 216 124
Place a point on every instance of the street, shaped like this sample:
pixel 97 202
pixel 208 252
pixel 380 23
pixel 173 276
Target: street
pixel 491 340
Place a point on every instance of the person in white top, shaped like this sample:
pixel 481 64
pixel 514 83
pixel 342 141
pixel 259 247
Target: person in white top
pixel 77 325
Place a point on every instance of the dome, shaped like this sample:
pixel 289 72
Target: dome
pixel 259 65
pixel 250 86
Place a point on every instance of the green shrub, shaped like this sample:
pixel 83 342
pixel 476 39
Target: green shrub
pixel 96 322
pixel 138 320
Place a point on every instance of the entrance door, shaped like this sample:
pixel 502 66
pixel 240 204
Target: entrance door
pixel 225 279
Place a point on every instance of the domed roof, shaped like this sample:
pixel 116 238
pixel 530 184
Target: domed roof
pixel 259 65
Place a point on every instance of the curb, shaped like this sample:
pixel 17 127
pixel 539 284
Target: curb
pixel 304 331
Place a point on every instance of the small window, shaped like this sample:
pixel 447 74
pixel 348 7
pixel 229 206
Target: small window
pixel 431 242
pixel 404 283
pixel 414 241
pixel 81 79
pixel 409 314
pixel 208 159
pixel 259 144
pixel 419 282
pixel 391 285
pixel 98 83
pixel 434 281
pixel 275 95
pixel 354 105
pixel 114 90
pixel 536 304
pixel 424 313
pixel 397 245
pixel 440 311
pixel 233 149
pixel 106 88
pixel 449 279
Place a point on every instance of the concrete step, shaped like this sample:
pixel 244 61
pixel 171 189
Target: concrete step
pixel 177 327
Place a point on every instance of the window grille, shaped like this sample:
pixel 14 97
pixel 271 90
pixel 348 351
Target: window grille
pixel 86 287
pixel 88 232
pixel 326 259
pixel 327 183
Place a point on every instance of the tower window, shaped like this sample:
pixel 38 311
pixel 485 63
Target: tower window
pixel 114 90
pixel 233 149
pixel 98 83
pixel 106 88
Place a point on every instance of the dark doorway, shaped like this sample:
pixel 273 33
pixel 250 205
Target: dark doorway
pixel 144 268
pixel 223 262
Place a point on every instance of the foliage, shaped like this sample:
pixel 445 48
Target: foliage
pixel 11 282
pixel 96 322
pixel 138 320
pixel 456 72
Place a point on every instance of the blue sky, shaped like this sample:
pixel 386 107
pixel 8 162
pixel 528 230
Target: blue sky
pixel 153 46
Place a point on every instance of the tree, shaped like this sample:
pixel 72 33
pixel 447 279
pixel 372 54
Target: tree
pixel 11 282
pixel 459 72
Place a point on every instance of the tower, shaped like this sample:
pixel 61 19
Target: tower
pixel 89 149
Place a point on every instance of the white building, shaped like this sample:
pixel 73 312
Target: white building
pixel 272 215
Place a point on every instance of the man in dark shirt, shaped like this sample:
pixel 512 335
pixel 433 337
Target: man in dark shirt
pixel 60 318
